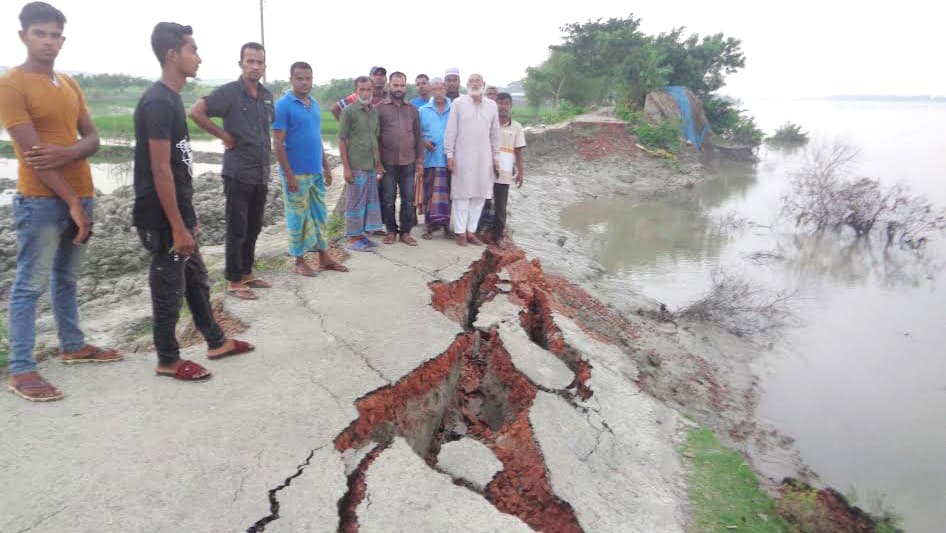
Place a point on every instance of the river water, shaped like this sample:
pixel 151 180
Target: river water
pixel 859 380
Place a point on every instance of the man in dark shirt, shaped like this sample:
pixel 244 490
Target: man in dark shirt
pixel 402 154
pixel 247 111
pixel 164 213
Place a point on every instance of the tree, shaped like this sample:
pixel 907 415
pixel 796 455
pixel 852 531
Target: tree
pixel 552 79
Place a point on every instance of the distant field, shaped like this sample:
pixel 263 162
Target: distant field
pixel 122 126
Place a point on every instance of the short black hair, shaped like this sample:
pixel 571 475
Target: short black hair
pixel 252 46
pixel 419 76
pixel 168 36
pixel 504 96
pixel 362 79
pixel 397 74
pixel 38 12
pixel 302 65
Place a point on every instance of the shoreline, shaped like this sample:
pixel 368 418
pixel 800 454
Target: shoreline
pixel 693 369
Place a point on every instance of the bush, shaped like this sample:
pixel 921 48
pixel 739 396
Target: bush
pixel 565 111
pixel 788 134
pixel 664 135
pixel 741 307
pixel 730 123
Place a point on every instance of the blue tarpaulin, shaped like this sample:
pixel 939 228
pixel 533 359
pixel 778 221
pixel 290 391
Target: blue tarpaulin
pixel 679 93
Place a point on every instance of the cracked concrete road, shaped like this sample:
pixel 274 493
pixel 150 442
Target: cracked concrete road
pixel 126 451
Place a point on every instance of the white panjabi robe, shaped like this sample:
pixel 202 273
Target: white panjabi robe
pixel 472 140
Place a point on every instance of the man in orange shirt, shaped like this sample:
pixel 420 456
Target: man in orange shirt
pixel 53 134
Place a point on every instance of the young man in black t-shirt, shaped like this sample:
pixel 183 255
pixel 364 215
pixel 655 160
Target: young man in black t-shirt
pixel 164 213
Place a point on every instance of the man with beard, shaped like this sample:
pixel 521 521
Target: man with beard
pixel 402 154
pixel 358 146
pixel 246 107
pixel 45 113
pixel 164 211
pixel 379 78
pixel 305 171
pixel 471 144
pixel 451 81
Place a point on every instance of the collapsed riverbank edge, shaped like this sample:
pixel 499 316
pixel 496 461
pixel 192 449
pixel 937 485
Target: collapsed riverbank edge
pixel 704 387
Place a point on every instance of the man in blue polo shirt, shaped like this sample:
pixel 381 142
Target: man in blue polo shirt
pixel 304 170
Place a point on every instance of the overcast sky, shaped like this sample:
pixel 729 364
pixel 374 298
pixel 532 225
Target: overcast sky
pixel 793 49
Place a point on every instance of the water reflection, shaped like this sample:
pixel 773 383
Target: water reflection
pixel 626 235
pixel 837 259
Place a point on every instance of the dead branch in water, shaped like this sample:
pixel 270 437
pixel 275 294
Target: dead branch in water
pixel 741 307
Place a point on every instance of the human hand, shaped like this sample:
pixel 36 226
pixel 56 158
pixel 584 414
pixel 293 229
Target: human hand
pixel 292 183
pixel 228 141
pixel 450 164
pixel 49 156
pixel 82 222
pixel 184 243
pixel 328 177
pixel 349 177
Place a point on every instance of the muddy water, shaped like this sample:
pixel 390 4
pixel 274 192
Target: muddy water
pixel 860 381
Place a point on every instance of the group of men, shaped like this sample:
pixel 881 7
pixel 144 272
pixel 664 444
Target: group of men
pixel 464 150
pixel 442 153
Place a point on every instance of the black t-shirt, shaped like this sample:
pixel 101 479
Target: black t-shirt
pixel 160 116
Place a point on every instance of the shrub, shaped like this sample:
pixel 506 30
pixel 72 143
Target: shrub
pixel 664 135
pixel 788 134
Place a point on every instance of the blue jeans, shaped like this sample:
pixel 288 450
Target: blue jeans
pixel 45 257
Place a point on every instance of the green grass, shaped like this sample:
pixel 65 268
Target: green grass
pixel 724 491
pixel 123 127
pixel 4 342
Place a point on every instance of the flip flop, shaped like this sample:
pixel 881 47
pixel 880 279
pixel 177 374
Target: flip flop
pixel 307 271
pixel 360 246
pixel 189 371
pixel 257 283
pixel 370 243
pixel 94 355
pixel 389 238
pixel 334 265
pixel 427 236
pixel 243 293
pixel 23 389
pixel 239 347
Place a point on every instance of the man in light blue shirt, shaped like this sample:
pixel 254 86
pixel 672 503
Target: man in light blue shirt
pixel 433 125
pixel 422 86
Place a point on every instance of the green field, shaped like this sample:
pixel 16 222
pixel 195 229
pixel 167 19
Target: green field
pixel 123 127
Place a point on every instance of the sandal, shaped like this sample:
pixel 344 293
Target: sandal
pixel 188 371
pixel 304 270
pixel 256 283
pixel 408 240
pixel 427 235
pixel 389 238
pixel 36 390
pixel 370 243
pixel 360 246
pixel 244 293
pixel 238 348
pixel 90 354
pixel 334 265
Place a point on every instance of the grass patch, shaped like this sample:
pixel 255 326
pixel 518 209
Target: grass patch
pixel 335 229
pixel 4 342
pixel 724 491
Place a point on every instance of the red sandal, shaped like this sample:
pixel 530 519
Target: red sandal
pixel 238 348
pixel 188 371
